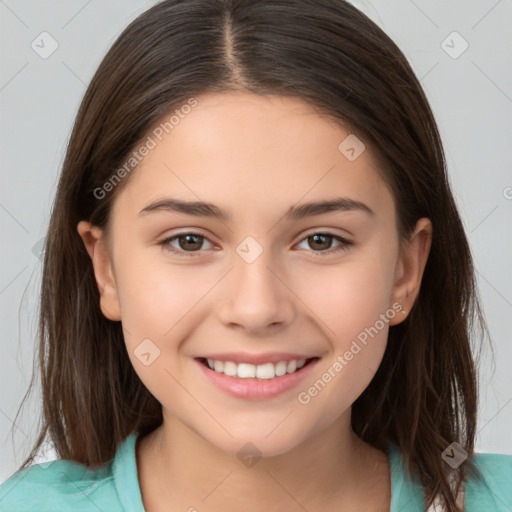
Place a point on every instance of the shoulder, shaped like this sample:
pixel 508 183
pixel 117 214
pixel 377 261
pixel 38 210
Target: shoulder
pixel 493 491
pixel 57 486
pixel 494 461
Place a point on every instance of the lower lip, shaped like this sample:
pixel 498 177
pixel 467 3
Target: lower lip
pixel 256 389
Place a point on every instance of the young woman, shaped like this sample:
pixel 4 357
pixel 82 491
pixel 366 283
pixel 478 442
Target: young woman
pixel 257 289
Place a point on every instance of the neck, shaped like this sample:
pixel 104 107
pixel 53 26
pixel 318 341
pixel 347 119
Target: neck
pixel 330 470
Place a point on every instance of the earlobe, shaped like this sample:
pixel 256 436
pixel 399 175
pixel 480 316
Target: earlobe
pixel 92 237
pixel 410 267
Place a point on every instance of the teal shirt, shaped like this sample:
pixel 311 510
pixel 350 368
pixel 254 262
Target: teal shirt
pixel 63 485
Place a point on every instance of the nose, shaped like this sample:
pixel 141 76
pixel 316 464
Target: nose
pixel 258 298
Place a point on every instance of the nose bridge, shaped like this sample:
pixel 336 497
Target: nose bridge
pixel 257 297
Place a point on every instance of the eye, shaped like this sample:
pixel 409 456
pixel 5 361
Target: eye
pixel 321 239
pixel 189 243
pixel 188 240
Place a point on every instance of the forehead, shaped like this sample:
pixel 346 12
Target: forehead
pixel 242 150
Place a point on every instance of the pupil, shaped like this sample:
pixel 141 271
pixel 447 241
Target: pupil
pixel 315 237
pixel 188 238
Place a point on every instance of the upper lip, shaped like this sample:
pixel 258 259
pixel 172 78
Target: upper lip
pixel 256 359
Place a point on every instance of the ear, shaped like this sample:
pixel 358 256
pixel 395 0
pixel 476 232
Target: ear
pixel 96 247
pixel 410 266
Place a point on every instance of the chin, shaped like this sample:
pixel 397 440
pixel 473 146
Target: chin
pixel 257 444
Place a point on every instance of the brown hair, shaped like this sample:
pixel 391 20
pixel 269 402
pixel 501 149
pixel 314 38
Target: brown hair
pixel 424 395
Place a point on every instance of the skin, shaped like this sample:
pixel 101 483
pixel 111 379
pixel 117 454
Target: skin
pixel 256 157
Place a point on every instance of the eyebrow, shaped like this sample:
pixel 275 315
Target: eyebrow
pixel 202 209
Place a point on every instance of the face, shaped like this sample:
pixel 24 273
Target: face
pixel 270 283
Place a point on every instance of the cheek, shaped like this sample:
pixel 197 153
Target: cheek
pixel 155 293
pixel 350 296
pixel 354 309
pixel 160 303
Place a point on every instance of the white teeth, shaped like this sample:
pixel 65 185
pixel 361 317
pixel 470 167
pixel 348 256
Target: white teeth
pixel 263 371
pixel 230 368
pixel 292 366
pixel 280 368
pixel 245 371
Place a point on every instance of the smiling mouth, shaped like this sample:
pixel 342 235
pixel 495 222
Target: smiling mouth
pixel 264 371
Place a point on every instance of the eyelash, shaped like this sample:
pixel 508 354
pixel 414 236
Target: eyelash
pixel 343 247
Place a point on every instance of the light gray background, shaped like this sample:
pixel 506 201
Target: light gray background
pixel 471 96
